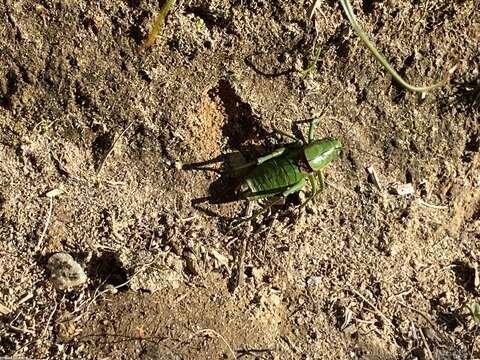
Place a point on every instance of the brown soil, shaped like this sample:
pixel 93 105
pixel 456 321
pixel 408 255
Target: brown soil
pixel 363 273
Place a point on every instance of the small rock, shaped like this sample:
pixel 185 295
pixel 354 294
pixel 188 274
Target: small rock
pixel 174 262
pixel 156 280
pixel 4 310
pixel 314 281
pixel 191 262
pixel 178 165
pixel 65 271
pixel 258 274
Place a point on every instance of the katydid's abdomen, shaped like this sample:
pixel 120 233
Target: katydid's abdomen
pixel 273 177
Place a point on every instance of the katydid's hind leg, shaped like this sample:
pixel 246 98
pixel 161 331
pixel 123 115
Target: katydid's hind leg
pixel 276 153
pixel 294 188
pixel 244 166
pixel 276 199
pixel 314 192
pixel 312 129
pixel 241 221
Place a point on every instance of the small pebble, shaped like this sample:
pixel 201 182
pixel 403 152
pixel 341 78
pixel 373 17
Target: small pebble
pixel 405 189
pixel 178 165
pixel 110 289
pixel 314 281
pixel 191 263
pixel 65 271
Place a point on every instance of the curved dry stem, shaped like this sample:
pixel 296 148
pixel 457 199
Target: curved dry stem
pixel 364 38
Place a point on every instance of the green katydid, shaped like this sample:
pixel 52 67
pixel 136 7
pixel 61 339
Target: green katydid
pixel 285 170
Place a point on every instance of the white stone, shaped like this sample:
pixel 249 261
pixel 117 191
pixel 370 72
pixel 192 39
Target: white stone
pixel 65 271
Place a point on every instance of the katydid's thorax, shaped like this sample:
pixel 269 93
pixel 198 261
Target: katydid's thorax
pixel 319 153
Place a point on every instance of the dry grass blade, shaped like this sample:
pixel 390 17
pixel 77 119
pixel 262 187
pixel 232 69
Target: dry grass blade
pixel 100 166
pixel 47 222
pixel 427 348
pixel 382 315
pixel 347 7
pixel 211 332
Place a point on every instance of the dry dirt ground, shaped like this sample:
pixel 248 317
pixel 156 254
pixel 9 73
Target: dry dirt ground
pixel 140 143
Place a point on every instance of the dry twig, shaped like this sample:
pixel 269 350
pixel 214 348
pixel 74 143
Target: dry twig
pixel 50 195
pixel 243 249
pixel 438 207
pixel 372 306
pixel 45 329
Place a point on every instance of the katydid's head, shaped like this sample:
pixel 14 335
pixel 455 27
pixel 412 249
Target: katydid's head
pixel 319 153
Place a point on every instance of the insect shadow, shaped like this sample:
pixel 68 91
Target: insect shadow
pixel 224 189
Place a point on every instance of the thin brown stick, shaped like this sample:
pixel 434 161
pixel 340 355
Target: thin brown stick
pixel 243 250
pixel 473 343
pixel 427 348
pixel 45 329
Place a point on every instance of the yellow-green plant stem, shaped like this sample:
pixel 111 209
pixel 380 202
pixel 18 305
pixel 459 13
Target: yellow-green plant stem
pixel 157 25
pixel 313 66
pixel 381 59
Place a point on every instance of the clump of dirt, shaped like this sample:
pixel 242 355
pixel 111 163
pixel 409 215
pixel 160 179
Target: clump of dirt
pixel 140 147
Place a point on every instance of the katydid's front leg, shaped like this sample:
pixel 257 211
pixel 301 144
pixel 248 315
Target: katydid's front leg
pixel 314 192
pixel 287 135
pixel 321 180
pixel 313 183
pixel 312 129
